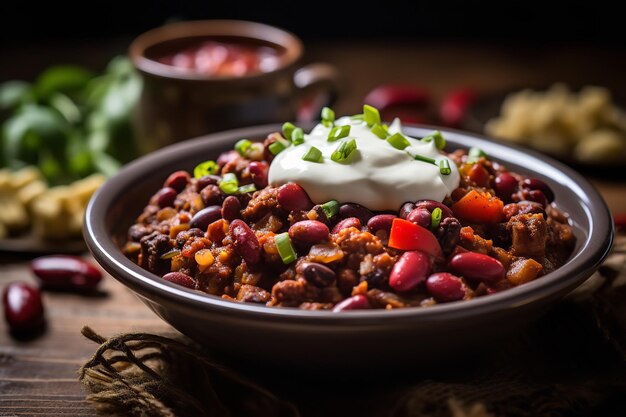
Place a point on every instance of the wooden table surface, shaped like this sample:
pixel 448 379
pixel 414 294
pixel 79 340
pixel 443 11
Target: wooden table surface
pixel 39 377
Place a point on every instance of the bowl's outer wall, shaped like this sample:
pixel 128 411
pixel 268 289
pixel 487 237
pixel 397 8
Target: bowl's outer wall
pixel 325 339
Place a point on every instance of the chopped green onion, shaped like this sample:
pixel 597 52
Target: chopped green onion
pixel 357 117
pixel 242 146
pixel 255 151
pixel 328 116
pixel 278 146
pixel 285 249
pixel 437 137
pixel 435 217
pixel 475 154
pixel 398 141
pixel 444 167
pixel 343 151
pixel 205 168
pixel 248 188
pixel 229 183
pixel 297 136
pixel 338 132
pixel 380 131
pixel 330 208
pixel 371 114
pixel 313 155
pixel 170 254
pixel 287 129
pixel 423 159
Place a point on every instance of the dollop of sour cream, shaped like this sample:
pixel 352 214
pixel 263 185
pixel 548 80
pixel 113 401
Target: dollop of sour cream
pixel 377 175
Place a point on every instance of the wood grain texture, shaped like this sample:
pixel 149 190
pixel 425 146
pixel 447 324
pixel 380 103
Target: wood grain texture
pixel 38 377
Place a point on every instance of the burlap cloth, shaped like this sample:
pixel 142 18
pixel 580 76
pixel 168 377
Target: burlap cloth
pixel 569 363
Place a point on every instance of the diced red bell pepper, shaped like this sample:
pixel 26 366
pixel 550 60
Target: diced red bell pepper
pixel 406 235
pixel 479 208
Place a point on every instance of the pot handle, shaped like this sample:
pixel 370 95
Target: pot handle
pixel 319 85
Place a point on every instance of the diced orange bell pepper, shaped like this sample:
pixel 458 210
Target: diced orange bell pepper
pixel 479 208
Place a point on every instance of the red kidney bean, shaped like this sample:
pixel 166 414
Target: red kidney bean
pixel 212 195
pixel 430 205
pixel 66 272
pixel 381 222
pixel 537 184
pixel 318 274
pixel 207 180
pixel 309 231
pixel 259 171
pixel 180 279
pixel 231 208
pixel 478 266
pixel 505 185
pixel 411 270
pixel 226 157
pixel 445 287
pixel 245 241
pixel 292 197
pixel 420 216
pixel 23 309
pixel 203 218
pixel 177 180
pixel 538 197
pixel 345 223
pixel 165 197
pixel 357 302
pixel 405 210
pixel 355 210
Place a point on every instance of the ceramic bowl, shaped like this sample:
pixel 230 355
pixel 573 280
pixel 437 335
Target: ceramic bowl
pixel 323 339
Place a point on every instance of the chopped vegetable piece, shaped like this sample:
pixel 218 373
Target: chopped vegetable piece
pixel 406 235
pixel 285 249
pixel 255 151
pixel 242 146
pixel 437 137
pixel 435 218
pixel 288 129
pixel 277 147
pixel 338 132
pixel 170 254
pixel 204 257
pixel 398 141
pixel 248 188
pixel 444 167
pixel 344 151
pixel 331 208
pixel 205 168
pixel 475 154
pixel 423 158
pixel 297 136
pixel 371 115
pixel 357 117
pixel 380 131
pixel 479 208
pixel 328 116
pixel 313 155
pixel 229 183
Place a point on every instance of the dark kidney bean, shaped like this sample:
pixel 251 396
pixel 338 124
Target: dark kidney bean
pixel 318 274
pixel 420 216
pixel 380 222
pixel 212 195
pixel 66 272
pixel 355 210
pixel 207 180
pixel 309 231
pixel 445 287
pixel 505 185
pixel 180 279
pixel 23 309
pixel 165 197
pixel 245 241
pixel 411 270
pixel 177 180
pixel 430 205
pixel 345 223
pixel 537 184
pixel 538 197
pixel 226 157
pixel 231 208
pixel 205 217
pixel 478 266
pixel 405 210
pixel 358 302
pixel 448 234
pixel 292 197
pixel 259 171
